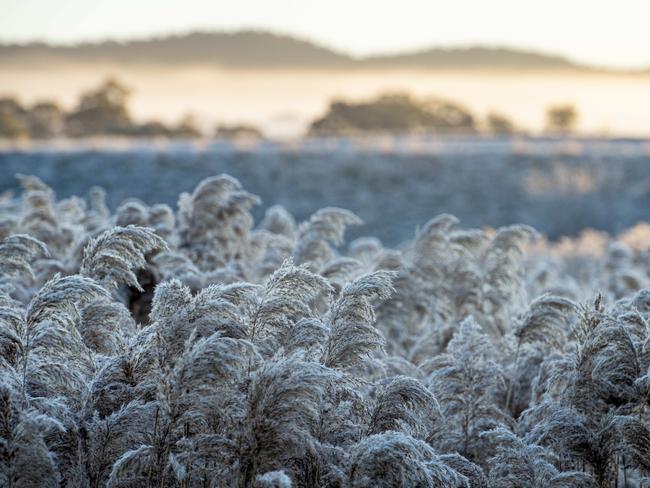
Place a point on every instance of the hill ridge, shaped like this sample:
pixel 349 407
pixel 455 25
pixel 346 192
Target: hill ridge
pixel 267 50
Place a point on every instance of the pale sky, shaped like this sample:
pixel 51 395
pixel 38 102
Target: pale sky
pixel 608 33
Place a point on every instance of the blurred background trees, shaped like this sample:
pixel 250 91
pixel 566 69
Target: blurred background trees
pixel 41 121
pixel 101 111
pixel 499 124
pixel 46 120
pixel 12 120
pixel 188 128
pixel 104 111
pixel 561 119
pixel 238 131
pixel 394 113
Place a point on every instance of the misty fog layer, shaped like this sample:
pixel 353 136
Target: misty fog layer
pixel 282 102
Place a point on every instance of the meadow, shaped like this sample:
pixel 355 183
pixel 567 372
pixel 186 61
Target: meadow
pixel 328 315
pixel 558 186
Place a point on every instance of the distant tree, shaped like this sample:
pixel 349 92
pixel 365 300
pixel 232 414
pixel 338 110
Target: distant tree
pixel 101 111
pixel 45 120
pixel 8 104
pixel 446 116
pixel 394 113
pixel 499 124
pixel 151 128
pixel 12 120
pixel 237 131
pixel 188 128
pixel 561 118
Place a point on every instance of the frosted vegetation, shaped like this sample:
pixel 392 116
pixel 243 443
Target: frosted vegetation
pixel 560 188
pixel 195 347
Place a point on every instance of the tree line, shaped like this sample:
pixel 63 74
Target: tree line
pixel 104 111
pixel 400 113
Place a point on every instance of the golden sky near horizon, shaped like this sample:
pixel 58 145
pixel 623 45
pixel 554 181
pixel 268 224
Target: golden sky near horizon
pixel 604 33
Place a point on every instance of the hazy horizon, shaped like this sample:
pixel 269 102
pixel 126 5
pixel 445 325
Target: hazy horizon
pixel 80 43
pixel 348 28
pixel 282 84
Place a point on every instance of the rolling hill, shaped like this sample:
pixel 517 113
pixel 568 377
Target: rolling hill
pixel 263 50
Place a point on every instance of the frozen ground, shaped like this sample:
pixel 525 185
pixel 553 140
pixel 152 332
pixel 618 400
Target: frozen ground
pixel 558 187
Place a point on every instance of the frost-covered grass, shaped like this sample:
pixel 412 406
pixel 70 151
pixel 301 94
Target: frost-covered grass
pixel 196 345
pixel 558 188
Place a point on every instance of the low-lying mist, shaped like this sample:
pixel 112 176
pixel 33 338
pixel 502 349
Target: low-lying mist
pixel 282 102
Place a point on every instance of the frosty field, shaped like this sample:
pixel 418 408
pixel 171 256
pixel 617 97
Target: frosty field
pixel 202 336
pixel 558 187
